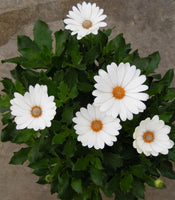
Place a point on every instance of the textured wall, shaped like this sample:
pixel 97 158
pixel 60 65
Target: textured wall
pixel 148 25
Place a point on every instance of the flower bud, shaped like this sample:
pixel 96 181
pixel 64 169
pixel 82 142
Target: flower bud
pixel 158 183
pixel 49 178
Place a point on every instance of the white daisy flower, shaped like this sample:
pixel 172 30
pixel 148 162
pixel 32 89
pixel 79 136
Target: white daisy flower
pixel 151 137
pixel 35 109
pixel 119 91
pixel 84 19
pixel 95 128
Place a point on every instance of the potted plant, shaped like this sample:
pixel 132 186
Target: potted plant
pixel 94 116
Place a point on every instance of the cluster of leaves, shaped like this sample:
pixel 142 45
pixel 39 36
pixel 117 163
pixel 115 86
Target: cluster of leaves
pixel 73 171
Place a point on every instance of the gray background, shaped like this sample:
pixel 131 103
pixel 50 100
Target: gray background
pixel 149 25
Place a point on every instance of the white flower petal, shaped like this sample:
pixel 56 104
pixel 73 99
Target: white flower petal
pixel 139 88
pixel 85 113
pixel 138 96
pixel 160 142
pixel 103 87
pixel 123 80
pixel 100 143
pixel 136 82
pixel 104 134
pixel 106 106
pixel 103 97
pixel 85 12
pixel 22 107
pixel 112 73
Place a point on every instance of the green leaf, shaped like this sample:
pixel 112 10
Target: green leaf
pixel 44 142
pixel 3 109
pixel 30 54
pixel 91 55
pixel 74 92
pixel 63 183
pixel 81 164
pixel 25 76
pixel 112 185
pixel 113 160
pixel 40 164
pixel 170 94
pixel 45 80
pixel 107 32
pixel 9 87
pixel 70 148
pixel 60 37
pixel 76 185
pixel 42 35
pixel 150 181
pixel 35 154
pixel 80 66
pixel 147 64
pixel 96 162
pixel 168 77
pixel 16 60
pixel 97 176
pixel 73 51
pixel 166 169
pixel 96 194
pixel 166 116
pixel 124 196
pixel 171 154
pixel 154 60
pixel 116 43
pixel 60 138
pixel 25 42
pixel 54 186
pixel 137 170
pixel 56 168
pixel 117 46
pixel 46 57
pixel 24 136
pixel 9 132
pixel 71 77
pixel 58 76
pixel 59 103
pixel 172 133
pixel 4 100
pixel 67 115
pixel 63 92
pixel 126 183
pixel 85 87
pixel 42 180
pixel 6 118
pixel 138 188
pixel 19 87
pixel 165 82
pixel 33 64
pixel 101 39
pixel 20 157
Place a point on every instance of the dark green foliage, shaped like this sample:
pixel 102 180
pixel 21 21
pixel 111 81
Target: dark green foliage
pixel 20 157
pixel 42 35
pixel 126 182
pixel 77 185
pixel 9 132
pixel 56 157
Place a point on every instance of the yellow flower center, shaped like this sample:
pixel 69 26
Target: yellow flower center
pixel 87 24
pixel 96 125
pixel 36 111
pixel 148 137
pixel 118 92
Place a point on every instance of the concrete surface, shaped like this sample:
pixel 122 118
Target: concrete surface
pixel 148 25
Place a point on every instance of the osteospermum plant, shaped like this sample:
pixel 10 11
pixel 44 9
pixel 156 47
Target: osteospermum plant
pixel 93 115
